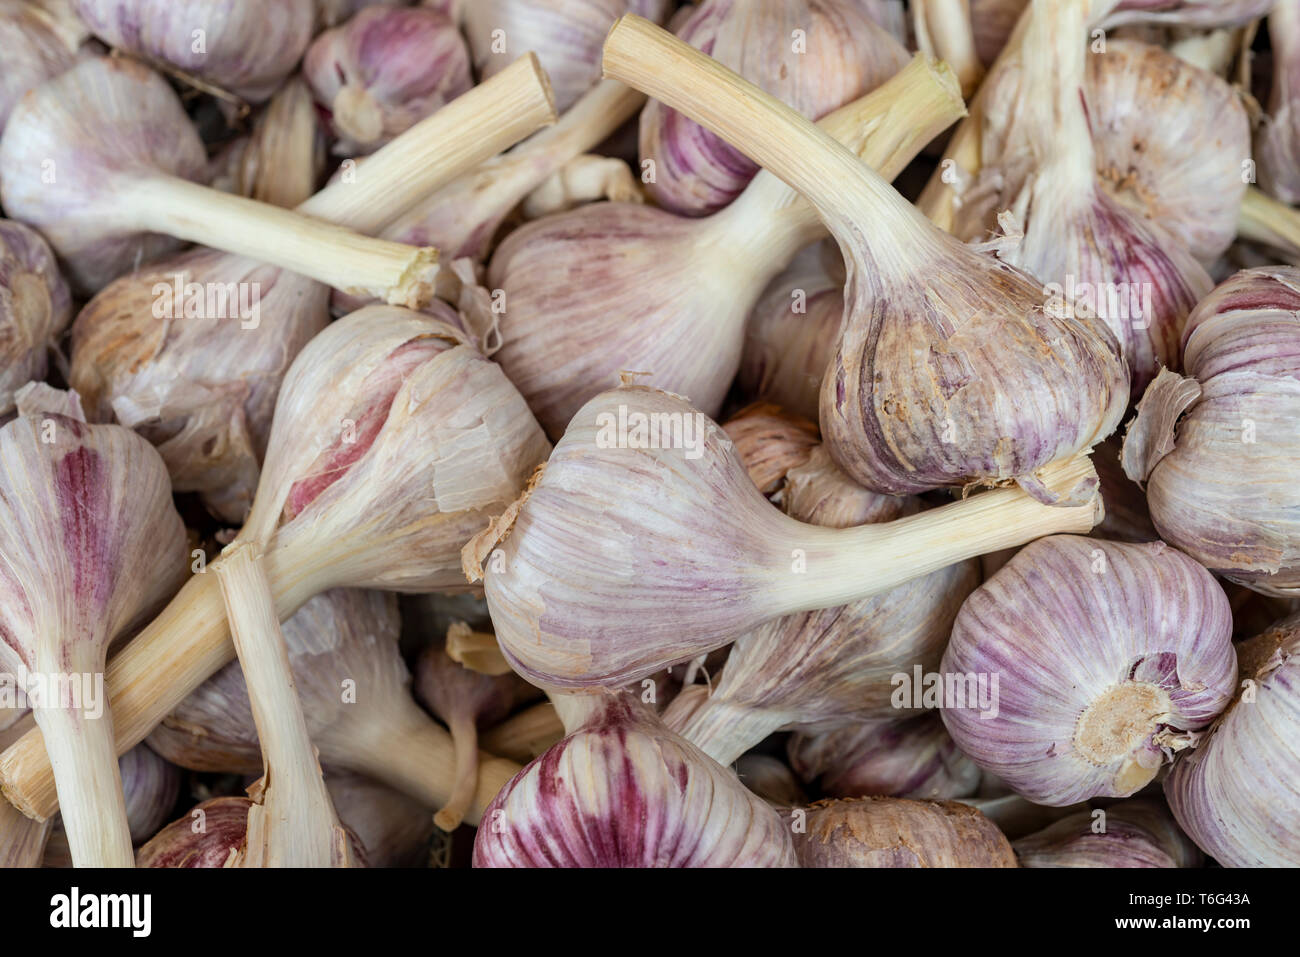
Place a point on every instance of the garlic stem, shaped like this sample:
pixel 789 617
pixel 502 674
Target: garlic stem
pixel 394 272
pixel 492 117
pixel 525 735
pixel 1055 72
pixel 583 179
pixel 1265 220
pixel 476 650
pixel 292 822
pixel 943 30
pixel 464 736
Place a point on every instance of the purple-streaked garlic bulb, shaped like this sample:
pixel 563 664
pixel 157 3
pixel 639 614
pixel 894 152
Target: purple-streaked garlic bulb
pixel 919 394
pixel 35 307
pixel 908 758
pixel 770 443
pixel 621 790
pixel 792 331
pixel 1236 795
pixel 91 543
pixel 393 828
pixel 692 551
pixel 815 56
pixel 1277 141
pixel 566 35
pixel 41 40
pixel 244 47
pixel 1133 833
pixel 771 779
pixel 1217 449
pixel 466 701
pixel 1095 255
pixel 330 13
pixel 1082 667
pixel 100 159
pixel 613 287
pixel 385 70
pixel 209 836
pixel 835 666
pixel 896 832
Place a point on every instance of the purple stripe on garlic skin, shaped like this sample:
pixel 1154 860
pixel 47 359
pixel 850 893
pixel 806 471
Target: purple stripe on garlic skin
pixel 1109 659
pixel 35 307
pixel 183 844
pixel 39 42
pixel 845 55
pixel 383 71
pixel 1237 794
pixel 1133 833
pixel 247 47
pixel 1217 449
pixel 910 758
pixel 566 35
pixel 623 791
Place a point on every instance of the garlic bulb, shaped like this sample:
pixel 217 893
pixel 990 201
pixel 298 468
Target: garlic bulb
pixel 393 829
pixel 209 836
pixel 690 550
pixel 770 779
pixel 1236 794
pixel 894 832
pixel 792 330
pixel 916 300
pixel 466 701
pixel 815 56
pixel 1073 693
pixel 1195 437
pixel 383 71
pixel 1277 142
pixel 40 41
pixel 91 542
pixel 908 758
pixel 623 791
pixel 151 785
pixel 834 666
pixel 1096 256
pixel 613 287
pixel 35 306
pixel 244 47
pixel 566 35
pixel 770 443
pixel 283 157
pixel 330 13
pixel 1134 833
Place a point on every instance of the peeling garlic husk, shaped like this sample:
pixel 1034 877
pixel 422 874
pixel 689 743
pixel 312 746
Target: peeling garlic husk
pixel 384 70
pixel 622 791
pixel 35 307
pixel 40 41
pixel 1232 415
pixel 1277 141
pixel 823 669
pixel 770 443
pixel 242 47
pixel 897 832
pixel 843 55
pixel 1133 833
pixel 566 35
pixel 1236 795
pixel 771 779
pixel 908 758
pixel 1070 693
pixel 184 843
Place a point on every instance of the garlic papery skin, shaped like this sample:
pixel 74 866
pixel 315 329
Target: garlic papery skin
pixel 565 34
pixel 40 41
pixel 393 828
pixel 394 441
pixel 91 542
pixel 770 779
pixel 151 785
pixel 615 529
pixel 1236 794
pixel 525 735
pixel 101 158
pixel 792 330
pixel 1070 693
pixel 243 47
pixel 770 443
pixel 833 666
pixel 209 836
pixel 1133 833
pixel 384 70
pixel 815 56
pixel 1277 141
pixel 23 840
pixel 1232 415
pixel 613 287
pixel 894 832
pixel 908 758
pixel 35 307
pixel 622 791
pixel 282 159
pixel 919 300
